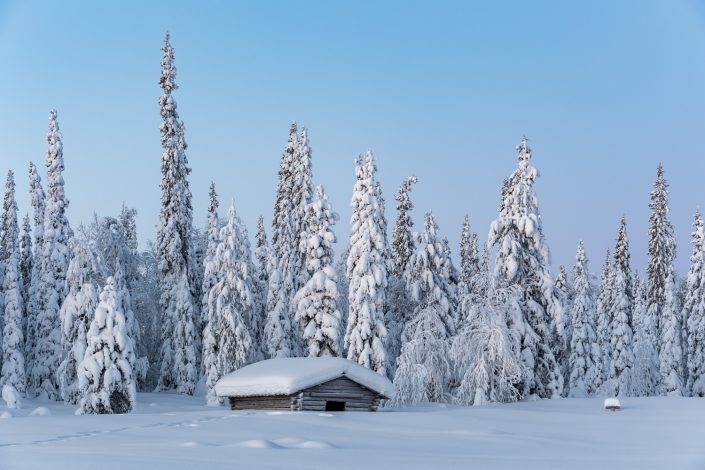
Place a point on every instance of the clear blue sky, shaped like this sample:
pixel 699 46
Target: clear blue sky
pixel 444 90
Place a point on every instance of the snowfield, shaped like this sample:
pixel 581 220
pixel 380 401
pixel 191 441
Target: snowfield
pixel 169 431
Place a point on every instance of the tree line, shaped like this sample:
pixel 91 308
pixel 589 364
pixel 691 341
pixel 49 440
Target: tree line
pixel 90 319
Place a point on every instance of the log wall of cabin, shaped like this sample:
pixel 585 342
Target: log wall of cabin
pixel 355 396
pixel 276 402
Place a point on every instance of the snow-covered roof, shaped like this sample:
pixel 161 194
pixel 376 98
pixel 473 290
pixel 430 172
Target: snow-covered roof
pixel 286 376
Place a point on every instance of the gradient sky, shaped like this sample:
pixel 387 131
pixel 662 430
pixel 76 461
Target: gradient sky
pixel 444 90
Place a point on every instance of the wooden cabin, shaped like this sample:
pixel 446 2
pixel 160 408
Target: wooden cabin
pixel 305 384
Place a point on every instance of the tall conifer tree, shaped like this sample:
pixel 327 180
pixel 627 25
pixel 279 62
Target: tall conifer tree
pixel 174 248
pixel 365 335
pixel 522 263
pixel 55 263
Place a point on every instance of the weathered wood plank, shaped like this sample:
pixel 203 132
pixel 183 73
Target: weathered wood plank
pixel 275 402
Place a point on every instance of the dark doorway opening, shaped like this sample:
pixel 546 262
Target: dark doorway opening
pixel 335 406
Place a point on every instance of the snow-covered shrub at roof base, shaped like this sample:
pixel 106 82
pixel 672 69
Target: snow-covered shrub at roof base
pixel 105 377
pixel 522 261
pixel 694 308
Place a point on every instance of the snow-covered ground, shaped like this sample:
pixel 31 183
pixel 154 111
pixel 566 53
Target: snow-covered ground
pixel 174 432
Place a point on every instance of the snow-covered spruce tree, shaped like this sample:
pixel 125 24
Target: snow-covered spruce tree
pixel 646 375
pixel 423 370
pixel 140 365
pixel 400 305
pixel 603 308
pixel 76 315
pixel 210 270
pixel 260 280
pixel 145 301
pixel 301 197
pixel 694 311
pixel 428 277
pixel 563 327
pixel 402 237
pixel 584 349
pixel 485 353
pixel 227 339
pixel 671 352
pixel 341 270
pixel 469 259
pixel 621 363
pixel 105 377
pixel 391 316
pixel 13 363
pixel 277 328
pixel 26 263
pixel 253 322
pixel 34 305
pixel 281 289
pixel 662 248
pixel 365 333
pixel 174 250
pixel 565 295
pixel 316 301
pixel 522 262
pixel 55 263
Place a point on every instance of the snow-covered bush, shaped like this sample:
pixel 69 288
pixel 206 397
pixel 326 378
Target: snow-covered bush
pixel 484 353
pixel 12 397
pixel 105 377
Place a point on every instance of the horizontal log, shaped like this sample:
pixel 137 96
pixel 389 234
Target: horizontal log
pixel 333 395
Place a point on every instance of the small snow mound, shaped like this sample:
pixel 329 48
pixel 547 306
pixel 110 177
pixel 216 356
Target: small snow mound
pixel 612 404
pixel 327 415
pixel 5 415
pixel 278 412
pixel 11 397
pixel 258 444
pixel 191 444
pixel 315 445
pixel 288 441
pixel 40 411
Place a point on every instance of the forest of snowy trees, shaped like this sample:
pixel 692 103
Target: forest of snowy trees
pixel 90 318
